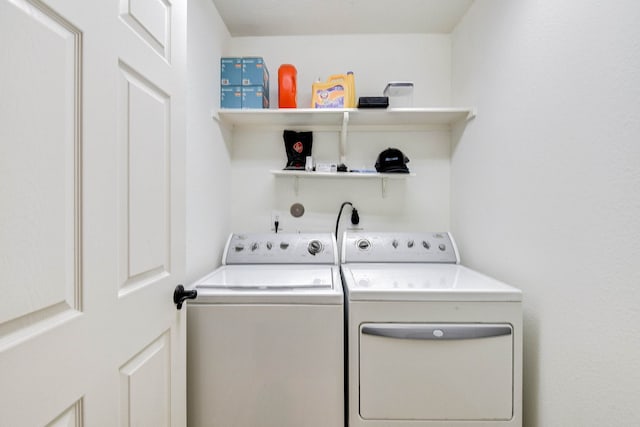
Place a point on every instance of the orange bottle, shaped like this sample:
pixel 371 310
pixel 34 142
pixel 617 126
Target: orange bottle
pixel 287 89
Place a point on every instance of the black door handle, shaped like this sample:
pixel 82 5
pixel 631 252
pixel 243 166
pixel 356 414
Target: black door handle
pixel 180 295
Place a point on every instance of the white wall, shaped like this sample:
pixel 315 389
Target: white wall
pixel 208 157
pixel 421 202
pixel 546 193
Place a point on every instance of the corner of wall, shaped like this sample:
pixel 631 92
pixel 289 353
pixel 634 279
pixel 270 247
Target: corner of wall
pixel 208 156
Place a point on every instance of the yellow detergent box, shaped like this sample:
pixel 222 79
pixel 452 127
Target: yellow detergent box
pixel 337 92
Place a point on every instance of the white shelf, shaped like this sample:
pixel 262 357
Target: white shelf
pixel 282 117
pixel 341 175
pixel 383 177
pixel 392 119
pixel 344 121
pixel 409 118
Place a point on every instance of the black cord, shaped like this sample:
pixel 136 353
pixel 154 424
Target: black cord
pixel 355 218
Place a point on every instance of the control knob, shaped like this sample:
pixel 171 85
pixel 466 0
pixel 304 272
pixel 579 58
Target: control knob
pixel 363 244
pixel 269 245
pixel 315 247
pixel 284 245
pixel 426 245
pixel 254 246
pixel 394 243
pixel 410 244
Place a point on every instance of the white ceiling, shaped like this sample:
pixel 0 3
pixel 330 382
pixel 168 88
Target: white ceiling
pixel 315 17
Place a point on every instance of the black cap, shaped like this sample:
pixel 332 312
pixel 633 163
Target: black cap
pixel 392 160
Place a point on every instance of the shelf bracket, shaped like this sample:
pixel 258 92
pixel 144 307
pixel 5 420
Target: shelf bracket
pixel 343 137
pixel 471 115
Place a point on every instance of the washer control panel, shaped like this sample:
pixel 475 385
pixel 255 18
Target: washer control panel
pixel 399 247
pixel 281 248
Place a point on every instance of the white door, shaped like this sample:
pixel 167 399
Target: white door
pixel 92 212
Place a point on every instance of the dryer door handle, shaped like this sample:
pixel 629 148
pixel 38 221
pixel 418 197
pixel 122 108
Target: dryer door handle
pixel 435 331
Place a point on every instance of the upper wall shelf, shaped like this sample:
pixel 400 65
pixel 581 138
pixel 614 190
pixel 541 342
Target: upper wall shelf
pixel 339 119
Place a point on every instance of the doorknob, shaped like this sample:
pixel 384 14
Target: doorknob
pixel 180 295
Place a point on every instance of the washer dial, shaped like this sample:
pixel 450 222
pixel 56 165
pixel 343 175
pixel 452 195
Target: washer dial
pixel 363 244
pixel 315 247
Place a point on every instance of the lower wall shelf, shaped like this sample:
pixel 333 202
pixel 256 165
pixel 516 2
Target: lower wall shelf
pixel 383 177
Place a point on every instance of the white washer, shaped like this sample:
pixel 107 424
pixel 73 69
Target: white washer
pixel 266 335
pixel 430 342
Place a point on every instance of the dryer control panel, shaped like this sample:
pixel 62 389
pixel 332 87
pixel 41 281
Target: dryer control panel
pixel 281 248
pixel 384 247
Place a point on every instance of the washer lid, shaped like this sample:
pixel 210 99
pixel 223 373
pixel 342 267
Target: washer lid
pixel 268 278
pixel 271 284
pixel 423 282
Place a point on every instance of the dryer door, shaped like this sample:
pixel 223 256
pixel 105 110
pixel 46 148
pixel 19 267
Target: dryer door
pixel 413 371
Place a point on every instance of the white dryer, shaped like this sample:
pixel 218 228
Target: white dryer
pixel 266 335
pixel 430 342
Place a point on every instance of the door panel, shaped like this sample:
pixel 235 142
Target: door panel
pixel 150 20
pixel 92 220
pixel 71 417
pixel 145 202
pixel 146 386
pixel 39 221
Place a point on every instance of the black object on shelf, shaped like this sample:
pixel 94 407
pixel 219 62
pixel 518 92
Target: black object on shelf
pixel 373 102
pixel 392 160
pixel 298 147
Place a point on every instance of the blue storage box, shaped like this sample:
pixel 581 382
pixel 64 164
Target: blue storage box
pixel 230 71
pixel 231 97
pixel 254 72
pixel 255 97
